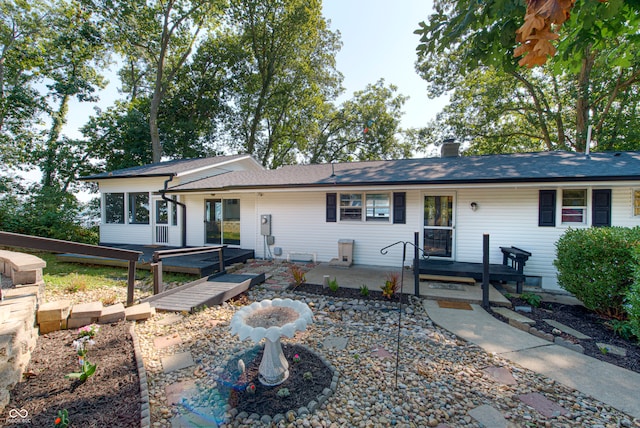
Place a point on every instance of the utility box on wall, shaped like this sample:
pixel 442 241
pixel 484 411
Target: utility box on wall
pixel 265 224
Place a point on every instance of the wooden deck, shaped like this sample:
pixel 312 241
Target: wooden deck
pixel 197 264
pixel 446 268
pixel 206 291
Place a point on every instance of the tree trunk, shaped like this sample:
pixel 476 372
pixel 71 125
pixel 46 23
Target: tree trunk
pixel 539 110
pixel 51 150
pixel 156 146
pixel 582 102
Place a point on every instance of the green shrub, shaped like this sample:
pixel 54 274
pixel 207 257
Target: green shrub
pixel 632 304
pixel 597 266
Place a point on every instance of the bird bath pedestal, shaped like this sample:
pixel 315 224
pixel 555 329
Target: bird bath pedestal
pixel 271 320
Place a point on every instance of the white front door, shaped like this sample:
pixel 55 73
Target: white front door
pixel 439 225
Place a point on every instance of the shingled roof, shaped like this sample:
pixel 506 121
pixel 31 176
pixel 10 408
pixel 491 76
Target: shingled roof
pixel 165 169
pixel 509 168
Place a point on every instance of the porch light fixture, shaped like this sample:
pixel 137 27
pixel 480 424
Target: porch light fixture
pixel 474 206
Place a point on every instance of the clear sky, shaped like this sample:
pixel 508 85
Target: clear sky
pixel 378 42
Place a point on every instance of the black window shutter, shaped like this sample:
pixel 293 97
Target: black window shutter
pixel 547 208
pixel 601 208
pixel 332 206
pixel 399 208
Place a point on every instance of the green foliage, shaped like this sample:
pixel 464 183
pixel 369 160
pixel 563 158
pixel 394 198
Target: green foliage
pixel 391 285
pixel 364 290
pixel 283 392
pixel 466 51
pixel 298 275
pixel 597 266
pixel 62 421
pixel 307 376
pixel 88 370
pixel 531 298
pixel 333 285
pixel 633 297
pixel 623 328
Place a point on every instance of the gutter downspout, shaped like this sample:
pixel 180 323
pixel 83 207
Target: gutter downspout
pixel 183 206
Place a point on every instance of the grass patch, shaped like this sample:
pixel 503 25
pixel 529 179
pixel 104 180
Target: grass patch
pixel 74 277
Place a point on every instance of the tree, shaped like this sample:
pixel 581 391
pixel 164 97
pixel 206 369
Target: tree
pixel 366 127
pixel 156 38
pixel 287 75
pixel 22 31
pixel 461 39
pixel 75 50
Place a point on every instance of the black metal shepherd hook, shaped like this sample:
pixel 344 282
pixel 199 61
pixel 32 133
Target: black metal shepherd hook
pixel 384 251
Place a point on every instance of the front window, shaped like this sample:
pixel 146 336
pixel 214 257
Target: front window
pixel 574 206
pixel 378 207
pixel 114 208
pixel 139 208
pixel 350 206
pixel 636 202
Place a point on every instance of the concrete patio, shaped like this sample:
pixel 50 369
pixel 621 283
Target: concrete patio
pixel 374 277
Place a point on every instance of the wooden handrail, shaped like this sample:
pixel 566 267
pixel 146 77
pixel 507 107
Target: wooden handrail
pixel 59 246
pixel 156 261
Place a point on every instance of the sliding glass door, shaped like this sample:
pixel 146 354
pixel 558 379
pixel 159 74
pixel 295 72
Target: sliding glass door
pixel 222 221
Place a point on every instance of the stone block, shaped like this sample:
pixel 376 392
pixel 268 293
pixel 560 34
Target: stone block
pixel 566 329
pixel 49 326
pixel 519 325
pixel 86 310
pixel 26 277
pixel 54 311
pixel 177 361
pixel 112 313
pixel 80 322
pixel 142 311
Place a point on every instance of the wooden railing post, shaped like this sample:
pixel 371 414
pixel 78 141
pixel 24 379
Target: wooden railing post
pixel 131 282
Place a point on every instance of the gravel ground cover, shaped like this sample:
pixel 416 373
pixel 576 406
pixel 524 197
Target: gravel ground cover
pixel 440 378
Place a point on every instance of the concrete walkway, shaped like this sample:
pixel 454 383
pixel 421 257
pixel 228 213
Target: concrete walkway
pixel 610 384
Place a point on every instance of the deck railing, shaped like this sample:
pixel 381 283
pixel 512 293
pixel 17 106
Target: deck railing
pixel 156 261
pixel 58 246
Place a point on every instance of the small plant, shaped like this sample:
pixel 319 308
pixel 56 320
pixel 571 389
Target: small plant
pixel 333 285
pixel 298 276
pixel 308 376
pixel 62 421
pixel 603 349
pixel 112 299
pixel 364 290
pixel 76 284
pixel 624 329
pixel 88 331
pixel 356 357
pixel 283 392
pixel 296 358
pixel 391 285
pixel 531 298
pixel 88 370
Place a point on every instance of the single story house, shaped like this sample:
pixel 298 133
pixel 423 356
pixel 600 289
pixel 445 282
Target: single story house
pixel 526 200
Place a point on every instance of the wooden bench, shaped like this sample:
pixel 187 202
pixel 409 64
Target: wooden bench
pixel 517 258
pixel 22 268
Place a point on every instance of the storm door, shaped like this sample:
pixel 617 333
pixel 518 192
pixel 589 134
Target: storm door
pixel 438 225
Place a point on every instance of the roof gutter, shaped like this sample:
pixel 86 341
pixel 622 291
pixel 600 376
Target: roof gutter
pixel 183 206
pixel 258 187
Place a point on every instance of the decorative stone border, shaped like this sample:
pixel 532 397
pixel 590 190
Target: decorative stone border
pixel 145 412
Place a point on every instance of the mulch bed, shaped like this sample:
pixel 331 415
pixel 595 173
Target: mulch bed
pixel 111 397
pixel 348 293
pixel 265 399
pixel 586 322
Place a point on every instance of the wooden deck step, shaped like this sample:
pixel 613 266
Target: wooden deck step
pixel 463 279
pixel 206 291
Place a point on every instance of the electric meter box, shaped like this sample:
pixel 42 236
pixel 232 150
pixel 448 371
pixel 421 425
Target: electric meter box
pixel 265 224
